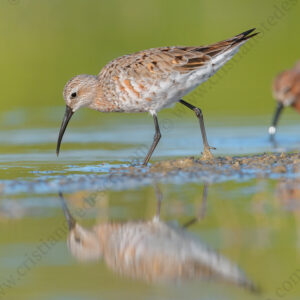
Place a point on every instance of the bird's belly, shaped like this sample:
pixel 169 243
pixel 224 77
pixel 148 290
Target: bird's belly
pixel 162 93
pixel 180 89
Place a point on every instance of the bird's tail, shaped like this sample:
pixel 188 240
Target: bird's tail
pixel 228 45
pixel 242 37
pixel 223 51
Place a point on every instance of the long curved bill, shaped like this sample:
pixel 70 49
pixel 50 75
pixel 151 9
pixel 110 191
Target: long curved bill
pixel 68 114
pixel 272 128
pixel 70 220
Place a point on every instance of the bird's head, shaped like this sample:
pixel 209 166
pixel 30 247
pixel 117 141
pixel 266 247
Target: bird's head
pixel 283 93
pixel 79 91
pixel 84 244
pixel 283 88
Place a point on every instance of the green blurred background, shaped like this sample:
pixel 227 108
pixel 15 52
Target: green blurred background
pixel 45 43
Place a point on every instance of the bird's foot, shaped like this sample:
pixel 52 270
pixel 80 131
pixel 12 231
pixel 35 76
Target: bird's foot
pixel 207 155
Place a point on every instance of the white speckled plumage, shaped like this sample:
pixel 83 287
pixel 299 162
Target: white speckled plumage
pixel 152 79
pixel 149 81
pixel 152 251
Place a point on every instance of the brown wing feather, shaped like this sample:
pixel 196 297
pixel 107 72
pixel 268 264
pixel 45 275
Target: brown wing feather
pixel 199 56
pixel 159 62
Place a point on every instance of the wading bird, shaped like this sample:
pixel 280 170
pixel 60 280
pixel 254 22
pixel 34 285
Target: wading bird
pixel 150 80
pixel 286 91
pixel 153 251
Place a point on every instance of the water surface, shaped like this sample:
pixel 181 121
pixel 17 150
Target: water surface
pixel 252 223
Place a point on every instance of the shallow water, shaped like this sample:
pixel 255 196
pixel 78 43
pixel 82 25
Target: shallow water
pixel 250 222
pixel 248 226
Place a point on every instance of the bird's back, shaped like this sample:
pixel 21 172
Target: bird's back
pixel 155 251
pixel 152 79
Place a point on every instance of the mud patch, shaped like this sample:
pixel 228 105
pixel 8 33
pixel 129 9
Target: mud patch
pixel 258 165
pixel 178 171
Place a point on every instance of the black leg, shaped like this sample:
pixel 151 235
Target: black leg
pixel 156 139
pixel 278 111
pixel 206 153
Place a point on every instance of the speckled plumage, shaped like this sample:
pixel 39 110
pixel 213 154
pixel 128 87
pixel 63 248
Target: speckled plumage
pixel 152 251
pixel 149 81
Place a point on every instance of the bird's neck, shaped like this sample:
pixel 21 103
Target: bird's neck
pixel 100 101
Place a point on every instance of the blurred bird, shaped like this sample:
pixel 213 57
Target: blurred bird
pixel 152 250
pixel 150 80
pixel 286 91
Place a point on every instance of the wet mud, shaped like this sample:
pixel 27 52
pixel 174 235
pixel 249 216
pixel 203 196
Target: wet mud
pixel 179 171
pixel 259 165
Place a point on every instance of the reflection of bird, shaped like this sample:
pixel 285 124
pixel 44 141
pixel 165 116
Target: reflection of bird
pixel 152 251
pixel 286 91
pixel 150 80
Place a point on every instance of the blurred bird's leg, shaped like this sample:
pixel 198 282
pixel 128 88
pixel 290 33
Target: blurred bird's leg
pixel 273 141
pixel 206 152
pixel 202 212
pixel 273 127
pixel 159 197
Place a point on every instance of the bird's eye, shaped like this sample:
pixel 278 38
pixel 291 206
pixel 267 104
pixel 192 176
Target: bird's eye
pixel 73 95
pixel 77 239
